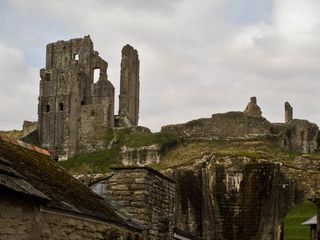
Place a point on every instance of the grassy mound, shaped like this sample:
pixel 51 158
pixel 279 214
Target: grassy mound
pixel 101 161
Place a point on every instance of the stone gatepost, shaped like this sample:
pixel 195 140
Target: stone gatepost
pixel 148 196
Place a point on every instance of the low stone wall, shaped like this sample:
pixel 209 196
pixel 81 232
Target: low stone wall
pixel 231 125
pixel 140 156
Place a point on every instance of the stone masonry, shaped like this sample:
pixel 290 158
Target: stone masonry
pixel 147 196
pixel 253 109
pixel 129 86
pixel 288 112
pixel 22 218
pixel 76 102
pixel 295 135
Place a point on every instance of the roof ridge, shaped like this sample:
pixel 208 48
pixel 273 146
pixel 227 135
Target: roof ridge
pixel 25 145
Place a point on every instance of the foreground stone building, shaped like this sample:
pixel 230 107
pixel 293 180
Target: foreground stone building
pixel 39 200
pixel 76 101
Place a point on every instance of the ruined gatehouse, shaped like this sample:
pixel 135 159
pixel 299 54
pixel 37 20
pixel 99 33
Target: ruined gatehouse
pixel 76 101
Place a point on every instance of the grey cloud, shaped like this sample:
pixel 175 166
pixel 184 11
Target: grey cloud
pixel 195 60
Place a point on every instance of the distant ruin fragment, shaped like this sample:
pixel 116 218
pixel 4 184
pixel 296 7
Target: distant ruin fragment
pixel 253 109
pixel 288 112
pixel 295 135
pixel 76 101
pixel 129 87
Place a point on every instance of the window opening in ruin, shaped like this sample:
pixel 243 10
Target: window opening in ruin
pixel 299 220
pixel 61 107
pixel 47 77
pixel 302 136
pixel 76 56
pixel 96 75
pixel 47 108
pixel 82 102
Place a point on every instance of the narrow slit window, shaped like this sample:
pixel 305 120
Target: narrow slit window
pixel 76 56
pixel 61 107
pixel 96 75
pixel 47 108
pixel 47 77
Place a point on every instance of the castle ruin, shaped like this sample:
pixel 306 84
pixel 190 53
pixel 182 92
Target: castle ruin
pixel 76 102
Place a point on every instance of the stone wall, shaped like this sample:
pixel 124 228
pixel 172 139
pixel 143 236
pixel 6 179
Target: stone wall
pixel 301 136
pixel 147 196
pixel 231 125
pixel 129 86
pixel 140 156
pixel 29 127
pixel 74 108
pixel 21 218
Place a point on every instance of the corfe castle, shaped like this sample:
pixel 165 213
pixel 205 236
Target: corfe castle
pixel 74 108
pixel 232 176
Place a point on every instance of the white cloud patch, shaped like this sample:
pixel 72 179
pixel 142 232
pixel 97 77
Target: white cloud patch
pixel 196 59
pixel 18 91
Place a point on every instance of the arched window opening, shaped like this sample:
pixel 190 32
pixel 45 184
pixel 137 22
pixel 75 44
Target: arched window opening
pixel 47 108
pixel 96 75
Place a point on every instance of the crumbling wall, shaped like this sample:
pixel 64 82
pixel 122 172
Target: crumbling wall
pixel 73 109
pixel 129 87
pixel 147 196
pixel 288 112
pixel 231 125
pixel 140 156
pixel 252 108
pixel 300 136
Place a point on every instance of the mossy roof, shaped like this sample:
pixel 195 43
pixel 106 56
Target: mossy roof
pixel 31 173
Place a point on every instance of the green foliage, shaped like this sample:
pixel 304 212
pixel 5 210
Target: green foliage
pixel 96 162
pixel 293 230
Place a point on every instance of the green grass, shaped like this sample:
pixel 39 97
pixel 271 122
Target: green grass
pixel 100 162
pixel 96 162
pixel 175 154
pixel 186 153
pixel 293 230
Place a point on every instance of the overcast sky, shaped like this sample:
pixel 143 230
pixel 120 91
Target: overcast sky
pixel 196 57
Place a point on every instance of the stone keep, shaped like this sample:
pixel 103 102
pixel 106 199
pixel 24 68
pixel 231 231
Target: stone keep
pixel 129 85
pixel 74 108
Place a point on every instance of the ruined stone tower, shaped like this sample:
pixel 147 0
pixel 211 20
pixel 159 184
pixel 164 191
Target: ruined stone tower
pixel 288 112
pixel 75 108
pixel 129 86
